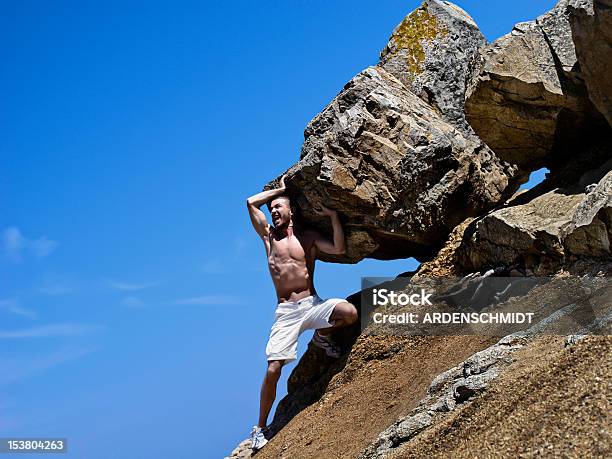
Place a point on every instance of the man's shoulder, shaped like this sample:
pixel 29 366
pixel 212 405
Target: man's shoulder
pixel 309 233
pixel 309 230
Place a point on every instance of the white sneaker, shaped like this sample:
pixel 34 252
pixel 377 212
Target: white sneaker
pixel 327 344
pixel 258 440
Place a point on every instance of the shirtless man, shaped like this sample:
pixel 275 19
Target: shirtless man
pixel 291 253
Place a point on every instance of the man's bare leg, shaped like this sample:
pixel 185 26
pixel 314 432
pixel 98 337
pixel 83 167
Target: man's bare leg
pixel 268 390
pixel 344 314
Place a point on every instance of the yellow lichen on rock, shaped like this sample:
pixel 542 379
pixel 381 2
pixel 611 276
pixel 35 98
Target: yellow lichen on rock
pixel 417 27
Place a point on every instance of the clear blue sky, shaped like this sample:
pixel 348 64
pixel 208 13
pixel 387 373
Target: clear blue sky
pixel 135 302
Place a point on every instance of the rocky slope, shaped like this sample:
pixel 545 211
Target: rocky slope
pixel 422 156
pixel 552 401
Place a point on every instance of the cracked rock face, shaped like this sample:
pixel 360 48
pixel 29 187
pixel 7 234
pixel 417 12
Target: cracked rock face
pixel 431 51
pixel 591 25
pixel 558 226
pixel 400 176
pixel 528 101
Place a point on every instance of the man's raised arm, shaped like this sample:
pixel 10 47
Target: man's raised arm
pixel 258 218
pixel 338 247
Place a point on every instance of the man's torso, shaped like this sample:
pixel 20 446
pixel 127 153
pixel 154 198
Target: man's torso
pixel 291 260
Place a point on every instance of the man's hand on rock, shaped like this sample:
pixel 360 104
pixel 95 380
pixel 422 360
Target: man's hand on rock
pixel 282 181
pixel 322 210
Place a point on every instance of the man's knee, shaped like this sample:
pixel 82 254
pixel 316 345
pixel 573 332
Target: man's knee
pixel 352 314
pixel 274 369
pixel 346 312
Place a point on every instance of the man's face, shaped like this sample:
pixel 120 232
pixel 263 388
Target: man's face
pixel 280 211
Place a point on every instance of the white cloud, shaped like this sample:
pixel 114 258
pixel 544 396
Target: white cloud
pixel 207 300
pixel 45 331
pixel 12 306
pixel 15 245
pixel 131 286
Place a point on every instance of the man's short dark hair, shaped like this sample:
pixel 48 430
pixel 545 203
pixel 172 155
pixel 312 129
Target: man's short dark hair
pixel 269 203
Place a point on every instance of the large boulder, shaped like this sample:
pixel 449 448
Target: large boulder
pixel 589 233
pixel 528 101
pixel 591 24
pixel 432 51
pixel 547 232
pixel 399 175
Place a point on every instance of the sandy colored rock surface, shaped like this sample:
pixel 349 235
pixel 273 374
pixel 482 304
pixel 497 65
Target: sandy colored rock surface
pixel 554 401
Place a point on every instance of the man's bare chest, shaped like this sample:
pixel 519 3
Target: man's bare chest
pixel 290 247
pixel 298 247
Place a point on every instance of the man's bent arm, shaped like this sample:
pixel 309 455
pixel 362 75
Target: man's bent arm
pixel 258 218
pixel 261 198
pixel 339 242
pixel 338 247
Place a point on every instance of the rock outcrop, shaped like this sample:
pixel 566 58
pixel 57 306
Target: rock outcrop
pixel 431 52
pixel 547 232
pixel 591 24
pixel 400 175
pixel 528 101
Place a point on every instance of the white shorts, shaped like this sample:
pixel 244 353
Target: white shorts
pixel 291 319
